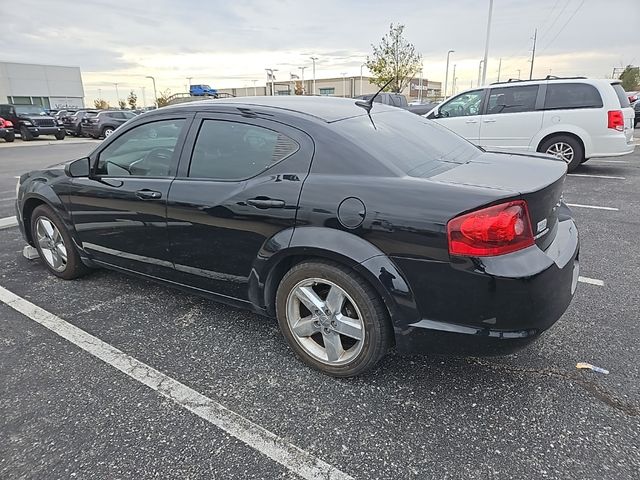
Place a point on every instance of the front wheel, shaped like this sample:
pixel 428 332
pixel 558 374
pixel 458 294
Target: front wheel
pixel 60 135
pixel 10 137
pixel 25 134
pixel 332 318
pixel 107 131
pixel 55 245
pixel 565 148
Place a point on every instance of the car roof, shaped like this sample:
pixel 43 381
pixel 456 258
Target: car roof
pixel 328 109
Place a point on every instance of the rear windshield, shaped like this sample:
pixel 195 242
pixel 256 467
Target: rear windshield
pixel 412 144
pixel 572 95
pixel 622 95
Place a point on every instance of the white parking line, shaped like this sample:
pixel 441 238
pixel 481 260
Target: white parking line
pixel 613 209
pixel 8 222
pixel 607 161
pixel 610 177
pixel 6 199
pixel 591 281
pixel 269 444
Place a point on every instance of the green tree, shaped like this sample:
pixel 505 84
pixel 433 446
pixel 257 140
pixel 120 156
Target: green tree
pixel 100 104
pixel 122 104
pixel 630 78
pixel 163 99
pixel 132 99
pixel 394 59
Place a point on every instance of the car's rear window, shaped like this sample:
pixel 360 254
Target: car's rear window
pixel 572 95
pixel 412 144
pixel 622 95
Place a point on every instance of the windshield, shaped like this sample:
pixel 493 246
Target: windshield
pixel 30 110
pixel 416 146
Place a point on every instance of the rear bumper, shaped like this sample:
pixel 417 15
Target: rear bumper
pixel 611 146
pixel 490 306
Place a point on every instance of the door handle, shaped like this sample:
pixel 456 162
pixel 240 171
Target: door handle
pixel 491 120
pixel 471 121
pixel 146 194
pixel 263 202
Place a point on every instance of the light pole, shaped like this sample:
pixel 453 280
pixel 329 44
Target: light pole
pixel 480 72
pixel 144 98
pixel 155 93
pixel 255 92
pixel 446 74
pixel 486 44
pixel 499 68
pixel 453 80
pixel 361 77
pixel 420 85
pixel 518 74
pixel 117 94
pixel 344 84
pixel 189 84
pixel 313 59
pixel 271 76
pixel 302 78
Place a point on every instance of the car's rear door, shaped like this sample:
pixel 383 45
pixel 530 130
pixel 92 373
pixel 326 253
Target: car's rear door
pixel 462 114
pixel 512 117
pixel 237 187
pixel 119 212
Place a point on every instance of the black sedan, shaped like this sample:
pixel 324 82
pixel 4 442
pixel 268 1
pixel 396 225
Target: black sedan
pixel 359 228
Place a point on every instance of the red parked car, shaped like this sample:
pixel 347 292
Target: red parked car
pixel 6 130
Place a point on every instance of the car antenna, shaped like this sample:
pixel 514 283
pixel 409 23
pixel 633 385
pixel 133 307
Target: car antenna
pixel 368 104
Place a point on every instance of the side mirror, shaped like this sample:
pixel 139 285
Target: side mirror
pixel 79 168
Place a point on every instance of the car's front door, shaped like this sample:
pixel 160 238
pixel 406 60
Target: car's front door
pixel 238 186
pixel 119 212
pixel 461 114
pixel 511 118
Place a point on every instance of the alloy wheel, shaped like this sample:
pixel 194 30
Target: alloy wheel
pixel 107 132
pixel 325 321
pixel 51 244
pixel 561 150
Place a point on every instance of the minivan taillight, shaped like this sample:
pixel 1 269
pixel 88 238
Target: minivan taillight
pixel 616 120
pixel 491 231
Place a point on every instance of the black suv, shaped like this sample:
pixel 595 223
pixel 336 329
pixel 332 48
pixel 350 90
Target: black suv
pixel 103 123
pixel 73 123
pixel 31 121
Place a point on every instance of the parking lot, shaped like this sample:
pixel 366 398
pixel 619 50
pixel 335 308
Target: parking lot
pixel 202 390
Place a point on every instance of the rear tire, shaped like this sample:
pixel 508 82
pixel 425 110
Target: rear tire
pixel 10 137
pixel 55 245
pixel 107 131
pixel 60 135
pixel 565 147
pixel 25 134
pixel 348 333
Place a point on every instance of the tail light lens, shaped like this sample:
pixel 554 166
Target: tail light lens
pixel 8 124
pixel 491 231
pixel 616 120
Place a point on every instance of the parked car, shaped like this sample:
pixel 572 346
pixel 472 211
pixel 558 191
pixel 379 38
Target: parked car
pixel 31 121
pixel 73 123
pixel 636 108
pixel 572 118
pixel 400 101
pixel 6 130
pixel 355 238
pixel 202 90
pixel 102 123
pixel 632 96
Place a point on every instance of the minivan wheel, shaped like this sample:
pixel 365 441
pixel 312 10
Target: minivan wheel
pixel 566 148
pixel 107 131
pixel 333 319
pixel 55 245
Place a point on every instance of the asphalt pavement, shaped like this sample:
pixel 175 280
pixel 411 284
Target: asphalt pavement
pixel 66 414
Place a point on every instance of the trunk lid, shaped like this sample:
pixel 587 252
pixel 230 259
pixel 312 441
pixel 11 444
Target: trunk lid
pixel 538 179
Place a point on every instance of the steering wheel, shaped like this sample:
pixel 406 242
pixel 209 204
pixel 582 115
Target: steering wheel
pixel 154 160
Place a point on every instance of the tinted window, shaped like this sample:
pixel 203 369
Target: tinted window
pixel 464 105
pixel 572 95
pixel 512 99
pixel 622 95
pixel 146 150
pixel 233 151
pixel 412 144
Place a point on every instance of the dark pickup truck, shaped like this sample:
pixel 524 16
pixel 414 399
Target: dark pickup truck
pixel 31 121
pixel 400 101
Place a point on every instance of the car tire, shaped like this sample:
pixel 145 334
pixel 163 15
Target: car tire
pixel 25 134
pixel 55 245
pixel 355 320
pixel 60 135
pixel 107 131
pixel 10 137
pixel 566 147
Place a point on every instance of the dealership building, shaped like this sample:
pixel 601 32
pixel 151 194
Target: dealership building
pixel 50 86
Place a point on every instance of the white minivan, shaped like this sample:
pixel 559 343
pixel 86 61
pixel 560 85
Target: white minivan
pixel 572 118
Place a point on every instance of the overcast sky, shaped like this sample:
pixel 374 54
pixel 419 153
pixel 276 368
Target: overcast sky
pixel 230 43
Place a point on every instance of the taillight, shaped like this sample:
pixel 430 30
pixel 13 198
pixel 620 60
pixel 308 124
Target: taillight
pixel 616 120
pixel 8 124
pixel 491 231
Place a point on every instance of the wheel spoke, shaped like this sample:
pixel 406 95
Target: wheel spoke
pixel 332 346
pixel 349 327
pixel 62 251
pixel 305 327
pixel 48 227
pixel 56 262
pixel 48 255
pixel 335 300
pixel 309 298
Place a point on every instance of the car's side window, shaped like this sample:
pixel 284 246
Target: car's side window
pixel 146 150
pixel 572 95
pixel 512 99
pixel 464 105
pixel 227 150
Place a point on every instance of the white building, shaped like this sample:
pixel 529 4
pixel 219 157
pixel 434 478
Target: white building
pixel 47 85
